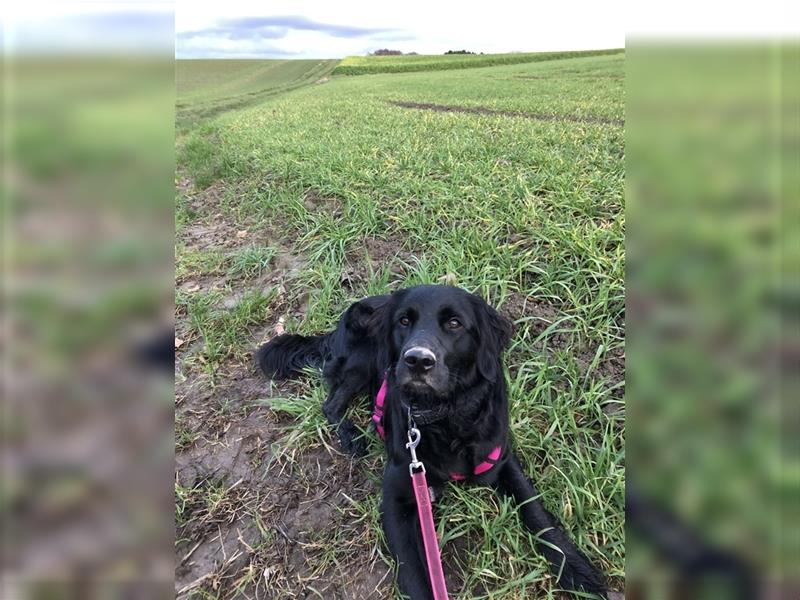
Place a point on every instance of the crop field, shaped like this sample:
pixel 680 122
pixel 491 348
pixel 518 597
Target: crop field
pixel 363 65
pixel 505 180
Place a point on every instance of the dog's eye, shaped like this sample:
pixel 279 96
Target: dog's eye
pixel 453 323
pixel 405 321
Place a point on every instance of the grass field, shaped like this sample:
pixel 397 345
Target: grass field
pixel 363 65
pixel 206 88
pixel 505 180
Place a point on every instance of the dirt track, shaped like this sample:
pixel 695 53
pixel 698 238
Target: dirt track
pixel 480 110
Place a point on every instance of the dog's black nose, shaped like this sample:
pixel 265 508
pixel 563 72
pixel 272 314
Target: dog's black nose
pixel 419 359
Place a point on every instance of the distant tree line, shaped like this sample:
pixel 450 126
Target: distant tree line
pixel 388 52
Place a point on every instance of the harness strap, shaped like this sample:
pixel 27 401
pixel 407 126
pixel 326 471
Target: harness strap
pixel 490 461
pixel 377 413
pixel 377 418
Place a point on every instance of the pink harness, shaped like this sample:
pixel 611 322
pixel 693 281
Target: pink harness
pixel 377 417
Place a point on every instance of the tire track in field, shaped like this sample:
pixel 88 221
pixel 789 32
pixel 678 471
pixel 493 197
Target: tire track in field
pixel 482 110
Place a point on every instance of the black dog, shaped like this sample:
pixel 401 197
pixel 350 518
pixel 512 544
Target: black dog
pixel 438 351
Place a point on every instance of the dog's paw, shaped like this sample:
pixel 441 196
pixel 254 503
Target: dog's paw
pixel 352 441
pixel 581 576
pixel 355 446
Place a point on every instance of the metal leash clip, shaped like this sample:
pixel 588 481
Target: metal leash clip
pixel 414 436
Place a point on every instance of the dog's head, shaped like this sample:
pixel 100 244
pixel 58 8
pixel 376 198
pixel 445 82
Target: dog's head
pixel 440 338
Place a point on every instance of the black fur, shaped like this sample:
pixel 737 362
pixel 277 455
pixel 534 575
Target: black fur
pixel 346 357
pixel 288 354
pixel 457 394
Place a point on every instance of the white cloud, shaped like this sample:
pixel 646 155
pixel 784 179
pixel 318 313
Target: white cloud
pixel 426 27
pixel 502 25
pixel 429 26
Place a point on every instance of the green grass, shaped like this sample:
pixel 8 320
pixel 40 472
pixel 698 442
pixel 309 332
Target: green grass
pixel 209 87
pixel 528 212
pixel 363 65
pixel 220 330
pixel 244 263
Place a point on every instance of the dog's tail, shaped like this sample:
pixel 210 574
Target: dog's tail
pixel 288 354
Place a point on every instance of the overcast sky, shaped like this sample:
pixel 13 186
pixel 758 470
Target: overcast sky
pixel 320 29
pixel 334 29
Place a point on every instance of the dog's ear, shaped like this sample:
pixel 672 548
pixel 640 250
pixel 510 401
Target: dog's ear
pixel 359 315
pixel 379 329
pixel 494 333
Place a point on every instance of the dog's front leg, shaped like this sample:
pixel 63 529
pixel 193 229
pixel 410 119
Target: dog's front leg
pixel 334 409
pixel 403 535
pixel 577 573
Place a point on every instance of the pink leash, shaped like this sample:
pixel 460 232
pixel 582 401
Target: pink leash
pixel 422 492
pixel 425 512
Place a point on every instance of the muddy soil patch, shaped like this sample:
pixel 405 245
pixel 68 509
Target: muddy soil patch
pixel 259 515
pixel 220 232
pixel 481 110
pixel 316 201
pixel 375 254
pixel 214 223
pixel 272 530
pixel 583 77
pixel 383 250
pixel 256 515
